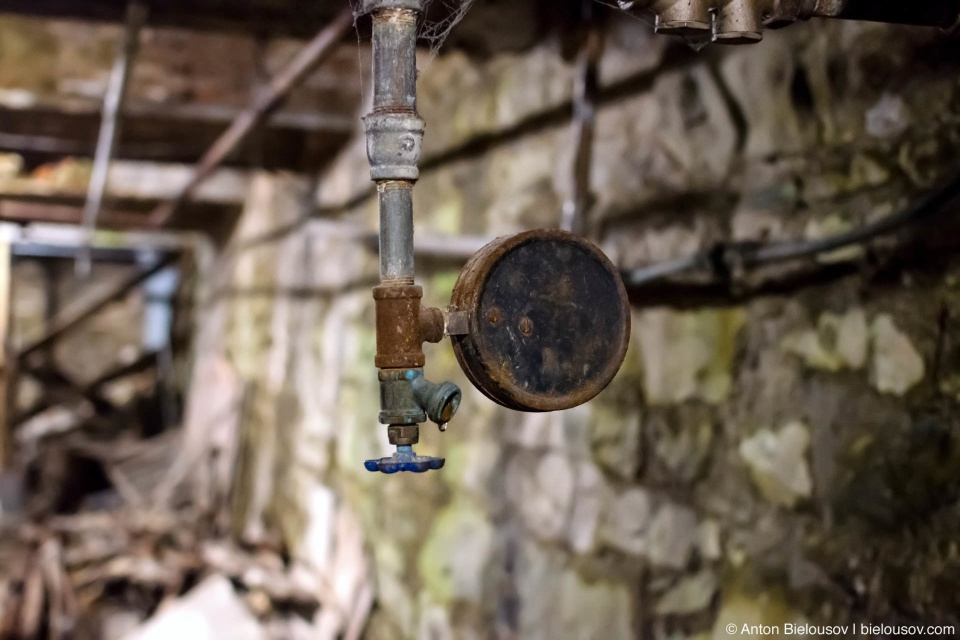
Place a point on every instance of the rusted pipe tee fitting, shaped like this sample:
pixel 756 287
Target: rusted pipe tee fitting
pixel 399 339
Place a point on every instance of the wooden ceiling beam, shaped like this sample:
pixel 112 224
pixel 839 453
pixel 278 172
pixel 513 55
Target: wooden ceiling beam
pixel 133 182
pixel 22 212
pixel 170 134
pixel 115 217
pixel 261 17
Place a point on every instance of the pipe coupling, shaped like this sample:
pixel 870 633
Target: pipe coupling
pixel 370 6
pixel 394 145
pixel 440 401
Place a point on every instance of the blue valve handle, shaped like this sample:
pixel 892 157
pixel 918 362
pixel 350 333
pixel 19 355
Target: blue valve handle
pixel 404 460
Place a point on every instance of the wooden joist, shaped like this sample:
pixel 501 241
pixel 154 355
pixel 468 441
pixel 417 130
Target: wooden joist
pixel 133 188
pixel 276 17
pixel 45 212
pixel 167 133
pixel 8 364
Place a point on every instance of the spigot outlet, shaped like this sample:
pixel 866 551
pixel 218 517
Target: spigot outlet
pixel 440 401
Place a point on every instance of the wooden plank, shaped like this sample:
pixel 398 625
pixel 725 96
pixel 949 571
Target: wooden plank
pixel 128 182
pixel 274 17
pixel 30 212
pixel 8 364
pixel 173 133
pixel 215 115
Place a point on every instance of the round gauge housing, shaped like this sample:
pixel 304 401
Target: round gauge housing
pixel 548 320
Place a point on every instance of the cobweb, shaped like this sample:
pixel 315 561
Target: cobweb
pixel 434 32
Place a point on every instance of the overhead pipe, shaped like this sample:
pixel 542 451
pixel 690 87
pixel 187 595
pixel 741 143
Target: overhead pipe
pixel 743 21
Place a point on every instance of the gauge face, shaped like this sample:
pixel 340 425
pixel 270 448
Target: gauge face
pixel 549 321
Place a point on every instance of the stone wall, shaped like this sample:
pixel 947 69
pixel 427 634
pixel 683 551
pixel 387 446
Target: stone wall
pixel 789 459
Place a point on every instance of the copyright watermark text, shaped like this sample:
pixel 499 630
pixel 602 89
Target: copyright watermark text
pixel 859 629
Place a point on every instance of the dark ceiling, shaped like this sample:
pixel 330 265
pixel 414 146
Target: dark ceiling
pixel 489 26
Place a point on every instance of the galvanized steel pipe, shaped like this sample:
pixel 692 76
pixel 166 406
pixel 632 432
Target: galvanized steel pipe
pixel 395 60
pixel 395 132
pixel 396 231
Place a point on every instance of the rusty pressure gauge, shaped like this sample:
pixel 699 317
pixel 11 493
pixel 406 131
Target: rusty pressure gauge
pixel 548 320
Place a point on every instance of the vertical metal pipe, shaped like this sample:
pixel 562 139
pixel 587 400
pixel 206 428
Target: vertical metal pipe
pixel 396 232
pixel 394 140
pixel 394 133
pixel 395 91
pixel 395 60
